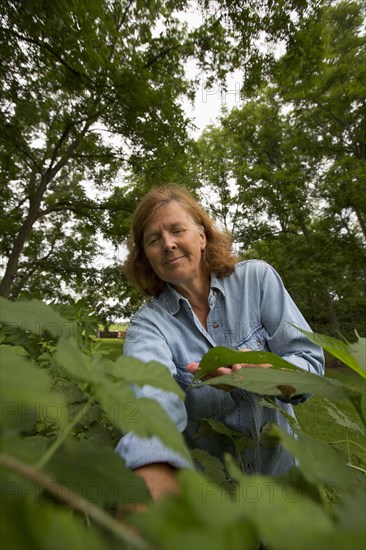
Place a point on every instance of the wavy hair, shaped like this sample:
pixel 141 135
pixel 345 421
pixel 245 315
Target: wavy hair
pixel 218 258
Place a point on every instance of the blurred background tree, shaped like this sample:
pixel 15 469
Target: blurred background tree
pixel 294 155
pixel 92 115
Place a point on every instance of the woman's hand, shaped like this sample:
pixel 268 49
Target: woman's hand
pixel 222 371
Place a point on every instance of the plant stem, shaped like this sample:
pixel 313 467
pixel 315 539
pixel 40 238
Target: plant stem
pixel 73 500
pixel 347 441
pixel 63 435
pixel 357 468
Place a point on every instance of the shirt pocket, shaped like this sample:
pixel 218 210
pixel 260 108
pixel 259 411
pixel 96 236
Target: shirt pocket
pixel 256 340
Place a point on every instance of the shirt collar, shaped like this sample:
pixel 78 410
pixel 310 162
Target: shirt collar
pixel 217 283
pixel 173 299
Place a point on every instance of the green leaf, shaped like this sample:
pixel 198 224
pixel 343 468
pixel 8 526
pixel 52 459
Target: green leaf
pixel 221 356
pixel 36 317
pixel 98 475
pixel 110 385
pixel 152 373
pixel 318 462
pixel 341 418
pixel 272 404
pixel 284 383
pixel 266 437
pixel 25 392
pixel 143 416
pixel 80 365
pixel 213 467
pixel 152 420
pixel 358 352
pixel 352 355
pixel 202 516
pixel 280 512
pixel 44 526
pixel 350 510
pixel 27 449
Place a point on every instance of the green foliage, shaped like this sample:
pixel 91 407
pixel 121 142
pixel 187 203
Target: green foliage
pixel 287 168
pixel 91 116
pixel 64 406
pixel 352 355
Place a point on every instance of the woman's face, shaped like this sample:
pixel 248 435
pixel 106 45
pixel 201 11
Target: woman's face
pixel 173 244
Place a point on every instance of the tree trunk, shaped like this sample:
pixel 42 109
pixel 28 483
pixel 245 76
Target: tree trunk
pixel 34 207
pixel 361 221
pixel 335 324
pixel 13 261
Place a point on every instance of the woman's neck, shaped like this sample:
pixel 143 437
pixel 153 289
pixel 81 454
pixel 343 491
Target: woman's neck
pixel 197 295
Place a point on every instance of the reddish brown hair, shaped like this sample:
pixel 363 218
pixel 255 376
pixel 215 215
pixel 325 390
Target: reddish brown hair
pixel 219 257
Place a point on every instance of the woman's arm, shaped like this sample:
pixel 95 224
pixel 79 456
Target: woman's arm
pixel 159 477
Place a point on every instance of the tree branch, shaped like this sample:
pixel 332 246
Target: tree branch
pixel 74 207
pixel 161 54
pixel 48 48
pixel 73 500
pixel 124 16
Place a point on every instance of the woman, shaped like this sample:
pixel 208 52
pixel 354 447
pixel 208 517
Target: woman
pixel 203 297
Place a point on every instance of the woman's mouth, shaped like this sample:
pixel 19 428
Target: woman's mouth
pixel 172 261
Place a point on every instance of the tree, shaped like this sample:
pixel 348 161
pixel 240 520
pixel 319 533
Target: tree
pixel 323 75
pixel 327 93
pixel 293 157
pixel 69 71
pixel 91 93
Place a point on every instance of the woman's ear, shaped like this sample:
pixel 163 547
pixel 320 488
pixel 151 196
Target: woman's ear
pixel 203 239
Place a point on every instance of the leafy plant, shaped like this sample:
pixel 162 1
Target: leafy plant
pixel 65 405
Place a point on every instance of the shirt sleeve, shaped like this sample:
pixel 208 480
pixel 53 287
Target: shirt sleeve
pixel 280 317
pixel 145 342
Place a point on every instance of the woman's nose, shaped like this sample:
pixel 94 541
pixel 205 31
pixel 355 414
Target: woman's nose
pixel 168 243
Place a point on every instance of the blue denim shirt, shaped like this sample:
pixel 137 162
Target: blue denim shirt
pixel 248 309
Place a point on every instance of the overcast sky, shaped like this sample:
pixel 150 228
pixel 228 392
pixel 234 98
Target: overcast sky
pixel 209 102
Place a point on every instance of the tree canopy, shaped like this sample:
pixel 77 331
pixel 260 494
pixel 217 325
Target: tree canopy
pixel 92 115
pixel 294 154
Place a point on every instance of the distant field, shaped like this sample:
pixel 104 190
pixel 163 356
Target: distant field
pixel 116 327
pixel 312 415
pixel 114 346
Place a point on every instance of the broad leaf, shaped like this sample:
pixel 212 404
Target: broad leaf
pixel 350 510
pixel 352 355
pixel 284 383
pixel 358 352
pixel 341 418
pixel 25 392
pixel 44 526
pixel 202 516
pixel 98 475
pixel 318 462
pixel 221 356
pixel 212 467
pixel 37 317
pixel 152 373
pixel 280 513
pixel 143 416
pixel 88 368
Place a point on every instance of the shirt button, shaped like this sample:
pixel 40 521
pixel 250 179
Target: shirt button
pixel 215 325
